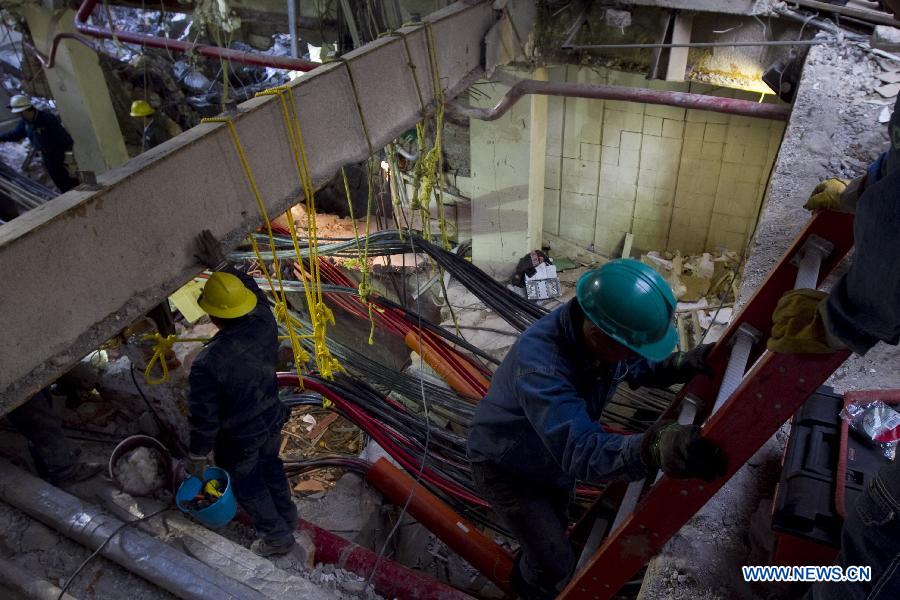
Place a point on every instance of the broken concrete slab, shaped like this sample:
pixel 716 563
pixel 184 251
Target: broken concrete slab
pixel 350 509
pixel 888 91
pixel 886 38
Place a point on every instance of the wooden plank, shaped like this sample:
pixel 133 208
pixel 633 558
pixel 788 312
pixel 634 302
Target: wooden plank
pixel 678 57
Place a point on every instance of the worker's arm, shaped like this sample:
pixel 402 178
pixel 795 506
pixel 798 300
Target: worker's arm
pixel 579 445
pixel 203 406
pixel 843 196
pixel 679 367
pixel 16 135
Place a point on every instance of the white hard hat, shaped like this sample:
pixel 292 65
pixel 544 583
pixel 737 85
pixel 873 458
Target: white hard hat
pixel 19 103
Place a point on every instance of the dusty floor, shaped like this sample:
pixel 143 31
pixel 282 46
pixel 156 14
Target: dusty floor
pixel 44 553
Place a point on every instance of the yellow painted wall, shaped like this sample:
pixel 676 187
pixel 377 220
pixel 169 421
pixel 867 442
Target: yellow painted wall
pixel 677 179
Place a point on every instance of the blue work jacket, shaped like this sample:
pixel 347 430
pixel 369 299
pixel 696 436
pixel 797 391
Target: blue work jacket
pixel 539 418
pixel 234 391
pixel 45 132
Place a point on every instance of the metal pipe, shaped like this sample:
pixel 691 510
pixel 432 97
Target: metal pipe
pixel 866 14
pixel 391 580
pixel 30 586
pixel 292 26
pixel 50 62
pixel 247 58
pixel 650 45
pixel 823 24
pixel 524 87
pixel 155 561
pixel 460 535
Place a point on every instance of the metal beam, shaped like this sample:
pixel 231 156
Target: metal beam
pixel 77 270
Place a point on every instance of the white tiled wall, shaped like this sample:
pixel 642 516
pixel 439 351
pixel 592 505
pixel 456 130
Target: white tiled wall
pixel 677 179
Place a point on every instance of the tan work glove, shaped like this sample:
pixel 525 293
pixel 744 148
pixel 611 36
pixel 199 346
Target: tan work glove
pixel 827 195
pixel 797 325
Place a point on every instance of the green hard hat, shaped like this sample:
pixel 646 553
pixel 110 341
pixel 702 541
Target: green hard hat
pixel 631 303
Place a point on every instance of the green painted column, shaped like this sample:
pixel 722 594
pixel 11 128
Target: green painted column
pixel 80 91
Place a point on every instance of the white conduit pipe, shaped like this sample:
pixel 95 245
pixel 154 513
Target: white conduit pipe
pixel 155 561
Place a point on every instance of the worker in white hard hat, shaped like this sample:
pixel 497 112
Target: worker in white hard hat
pixel 235 413
pixel 154 132
pixel 47 135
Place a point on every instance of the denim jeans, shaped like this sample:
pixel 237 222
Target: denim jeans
pixel 537 517
pixel 259 482
pixel 870 537
pixel 53 454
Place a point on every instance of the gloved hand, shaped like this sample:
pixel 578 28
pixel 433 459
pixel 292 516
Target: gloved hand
pixel 679 367
pixel 797 324
pixel 692 362
pixel 827 195
pixel 209 251
pixel 196 465
pixel 680 452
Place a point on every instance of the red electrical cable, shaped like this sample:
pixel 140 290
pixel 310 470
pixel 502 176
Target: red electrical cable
pixel 376 430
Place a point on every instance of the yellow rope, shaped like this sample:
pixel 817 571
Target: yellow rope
pixel 161 347
pixel 364 289
pixel 319 314
pixel 301 357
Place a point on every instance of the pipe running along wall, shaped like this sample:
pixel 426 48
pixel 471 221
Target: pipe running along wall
pixel 205 50
pixel 731 106
pixel 460 535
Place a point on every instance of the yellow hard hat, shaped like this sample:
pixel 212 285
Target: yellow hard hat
pixel 140 108
pixel 19 103
pixel 225 296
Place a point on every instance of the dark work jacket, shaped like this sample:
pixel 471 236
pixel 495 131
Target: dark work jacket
pixel 234 392
pixel 539 418
pixel 154 134
pixel 45 132
pixel 864 306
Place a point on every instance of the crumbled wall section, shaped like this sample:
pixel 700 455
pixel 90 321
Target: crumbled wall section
pixel 677 179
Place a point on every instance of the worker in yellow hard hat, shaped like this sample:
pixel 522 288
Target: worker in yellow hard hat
pixel 154 132
pixel 234 408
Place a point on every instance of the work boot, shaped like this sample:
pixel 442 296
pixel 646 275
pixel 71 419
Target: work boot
pixel 267 548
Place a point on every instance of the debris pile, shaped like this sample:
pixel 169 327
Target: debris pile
pixel 344 583
pixel 705 287
pixel 141 471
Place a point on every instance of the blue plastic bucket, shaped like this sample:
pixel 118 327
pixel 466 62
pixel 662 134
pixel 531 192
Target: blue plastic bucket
pixel 217 514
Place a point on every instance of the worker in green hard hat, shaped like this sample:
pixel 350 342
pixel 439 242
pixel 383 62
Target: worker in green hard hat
pixel 536 432
pixel 154 133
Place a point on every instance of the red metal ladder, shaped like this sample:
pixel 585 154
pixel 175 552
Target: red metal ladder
pixel 746 409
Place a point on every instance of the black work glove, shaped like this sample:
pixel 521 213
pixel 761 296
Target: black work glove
pixel 693 362
pixel 680 452
pixel 209 251
pixel 679 367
